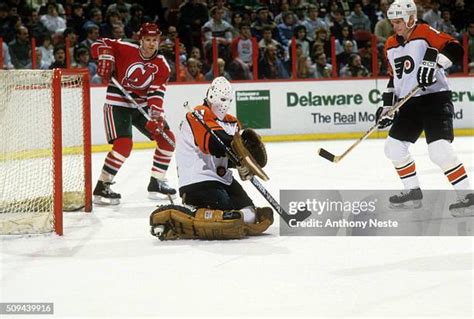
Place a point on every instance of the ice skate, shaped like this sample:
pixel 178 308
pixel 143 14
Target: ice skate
pixel 407 199
pixel 103 195
pixel 159 189
pixel 463 207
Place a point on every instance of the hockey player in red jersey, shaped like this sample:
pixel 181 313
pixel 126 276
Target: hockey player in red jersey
pixel 143 73
pixel 418 55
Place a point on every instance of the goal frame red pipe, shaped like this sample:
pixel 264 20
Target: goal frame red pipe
pixel 57 144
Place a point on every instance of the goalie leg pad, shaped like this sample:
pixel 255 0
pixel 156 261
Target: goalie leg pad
pixel 264 218
pixel 178 222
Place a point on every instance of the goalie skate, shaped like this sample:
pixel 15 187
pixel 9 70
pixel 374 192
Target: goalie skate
pixel 103 195
pixel 159 189
pixel 408 199
pixel 463 207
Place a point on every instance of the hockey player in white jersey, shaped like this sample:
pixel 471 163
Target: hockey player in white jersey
pixel 223 210
pixel 418 55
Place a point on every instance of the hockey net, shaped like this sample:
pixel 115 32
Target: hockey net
pixel 44 148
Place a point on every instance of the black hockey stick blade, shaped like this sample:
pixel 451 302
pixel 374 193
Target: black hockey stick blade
pixel 329 156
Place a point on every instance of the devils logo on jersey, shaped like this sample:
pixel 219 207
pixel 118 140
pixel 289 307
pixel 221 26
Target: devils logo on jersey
pixel 140 75
pixel 404 64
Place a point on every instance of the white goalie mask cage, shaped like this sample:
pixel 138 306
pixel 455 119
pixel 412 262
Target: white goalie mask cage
pixel 403 9
pixel 219 96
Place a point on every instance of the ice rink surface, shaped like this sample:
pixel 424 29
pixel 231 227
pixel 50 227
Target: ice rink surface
pixel 108 265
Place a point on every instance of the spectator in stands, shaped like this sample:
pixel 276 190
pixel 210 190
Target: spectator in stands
pixel 242 46
pixel 313 22
pixel 321 37
pixel 59 58
pixel 354 68
pixel 470 36
pixel 270 66
pixel 218 29
pixel 92 36
pixel 238 70
pixel 383 28
pixel 47 54
pixel 20 49
pixel 461 15
pixel 195 53
pixel 268 40
pixel 70 35
pixel 300 35
pixel 192 16
pixel 112 17
pixel 118 32
pixel 35 27
pixel 44 8
pixel 227 14
pixel 236 22
pixel 358 19
pixel 95 19
pixel 221 71
pixel 305 69
pixel 6 33
pixel 40 65
pixel 343 58
pixel 284 7
pixel 119 3
pixel 369 8
pixel 7 60
pixel 323 69
pixel 445 24
pixel 339 21
pixel 83 60
pixel 76 20
pixel 52 21
pixel 192 72
pixel 432 15
pixel 286 28
pixel 346 37
pixel 263 21
pixel 471 68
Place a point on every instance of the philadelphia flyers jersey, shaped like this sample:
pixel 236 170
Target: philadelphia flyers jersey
pixel 194 161
pixel 405 59
pixel 145 79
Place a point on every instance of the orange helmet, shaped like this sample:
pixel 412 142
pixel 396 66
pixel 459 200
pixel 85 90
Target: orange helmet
pixel 150 29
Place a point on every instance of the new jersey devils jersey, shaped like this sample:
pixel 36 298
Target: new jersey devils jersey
pixel 404 59
pixel 195 163
pixel 145 79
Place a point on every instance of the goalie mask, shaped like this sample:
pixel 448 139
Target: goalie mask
pixel 219 96
pixel 403 9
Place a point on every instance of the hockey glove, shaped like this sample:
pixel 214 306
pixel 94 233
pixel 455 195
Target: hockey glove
pixel 381 115
pixel 105 63
pixel 428 68
pixel 157 122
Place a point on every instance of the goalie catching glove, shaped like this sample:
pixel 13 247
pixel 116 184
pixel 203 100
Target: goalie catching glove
pixel 177 222
pixel 252 154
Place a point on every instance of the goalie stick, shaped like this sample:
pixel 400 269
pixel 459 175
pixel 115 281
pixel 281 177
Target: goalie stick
pixel 300 216
pixel 337 158
pixel 145 114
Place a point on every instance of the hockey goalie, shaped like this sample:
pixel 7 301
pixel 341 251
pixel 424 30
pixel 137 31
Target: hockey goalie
pixel 215 204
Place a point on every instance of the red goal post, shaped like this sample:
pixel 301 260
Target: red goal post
pixel 45 148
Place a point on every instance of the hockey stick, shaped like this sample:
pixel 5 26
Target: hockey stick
pixel 337 158
pixel 140 109
pixel 300 216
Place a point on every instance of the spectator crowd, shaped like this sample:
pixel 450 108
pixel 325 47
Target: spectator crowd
pixel 266 39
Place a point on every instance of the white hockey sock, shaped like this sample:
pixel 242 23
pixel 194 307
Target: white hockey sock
pixel 407 172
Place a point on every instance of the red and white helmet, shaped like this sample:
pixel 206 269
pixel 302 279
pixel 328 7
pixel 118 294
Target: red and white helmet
pixel 149 29
pixel 219 96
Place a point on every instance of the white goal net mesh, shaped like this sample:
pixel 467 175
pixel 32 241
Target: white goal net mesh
pixel 27 160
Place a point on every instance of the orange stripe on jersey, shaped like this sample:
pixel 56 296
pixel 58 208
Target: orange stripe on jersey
pixel 433 37
pixel 456 174
pixel 201 136
pixel 407 170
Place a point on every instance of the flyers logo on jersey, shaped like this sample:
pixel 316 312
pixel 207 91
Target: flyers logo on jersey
pixel 404 64
pixel 140 75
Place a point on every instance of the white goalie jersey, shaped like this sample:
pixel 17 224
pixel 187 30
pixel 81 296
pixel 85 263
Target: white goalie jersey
pixel 194 161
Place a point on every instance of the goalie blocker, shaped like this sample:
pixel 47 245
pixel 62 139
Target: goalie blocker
pixel 178 222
